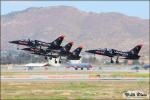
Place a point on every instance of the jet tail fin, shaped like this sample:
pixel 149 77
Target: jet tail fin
pixel 68 46
pixel 136 49
pixel 58 41
pixel 77 51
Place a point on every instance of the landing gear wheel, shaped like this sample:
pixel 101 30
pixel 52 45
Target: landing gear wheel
pixel 111 61
pixel 76 68
pixel 17 47
pixel 117 62
pixel 45 58
pixel 81 68
pixel 55 62
pixel 59 61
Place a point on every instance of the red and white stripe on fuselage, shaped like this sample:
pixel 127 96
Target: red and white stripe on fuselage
pixel 100 52
pixel 23 42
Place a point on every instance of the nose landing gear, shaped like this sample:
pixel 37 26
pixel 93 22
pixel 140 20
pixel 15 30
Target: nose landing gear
pixel 117 62
pixel 59 61
pixel 55 61
pixel 111 61
pixel 17 47
pixel 45 58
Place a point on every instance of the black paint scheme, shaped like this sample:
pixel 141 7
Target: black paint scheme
pixel 63 51
pixel 74 55
pixel 36 43
pixel 131 55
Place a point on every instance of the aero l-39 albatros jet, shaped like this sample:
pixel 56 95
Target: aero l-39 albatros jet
pixel 36 43
pixel 64 51
pixel 131 55
pixel 74 55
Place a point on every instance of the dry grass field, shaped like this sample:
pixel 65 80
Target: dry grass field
pixel 86 90
pixel 71 90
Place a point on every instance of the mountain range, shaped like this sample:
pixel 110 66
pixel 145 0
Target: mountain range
pixel 90 29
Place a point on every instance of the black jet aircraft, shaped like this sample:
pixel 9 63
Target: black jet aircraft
pixel 45 52
pixel 28 42
pixel 131 55
pixel 64 52
pixel 36 43
pixel 67 54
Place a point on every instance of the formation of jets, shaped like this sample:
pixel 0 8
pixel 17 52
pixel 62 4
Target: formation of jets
pixel 50 50
pixel 55 50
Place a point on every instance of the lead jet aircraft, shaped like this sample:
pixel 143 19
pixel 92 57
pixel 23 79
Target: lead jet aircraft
pixel 36 43
pixel 131 55
pixel 30 43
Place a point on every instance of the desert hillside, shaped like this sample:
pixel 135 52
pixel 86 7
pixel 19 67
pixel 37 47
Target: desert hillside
pixel 92 30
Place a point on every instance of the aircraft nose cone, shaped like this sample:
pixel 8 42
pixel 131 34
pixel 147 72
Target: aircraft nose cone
pixel 89 51
pixel 28 49
pixel 15 42
pixel 25 49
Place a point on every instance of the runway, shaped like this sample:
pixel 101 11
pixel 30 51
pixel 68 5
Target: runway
pixel 110 68
pixel 70 74
pixel 67 78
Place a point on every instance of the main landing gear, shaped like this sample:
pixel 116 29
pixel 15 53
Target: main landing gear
pixel 45 58
pixel 17 47
pixel 57 61
pixel 117 62
pixel 111 61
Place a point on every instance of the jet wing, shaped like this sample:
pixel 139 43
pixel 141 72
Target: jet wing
pixel 31 49
pixel 46 55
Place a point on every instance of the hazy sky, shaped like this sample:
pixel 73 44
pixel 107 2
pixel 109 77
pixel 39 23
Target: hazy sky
pixel 131 8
